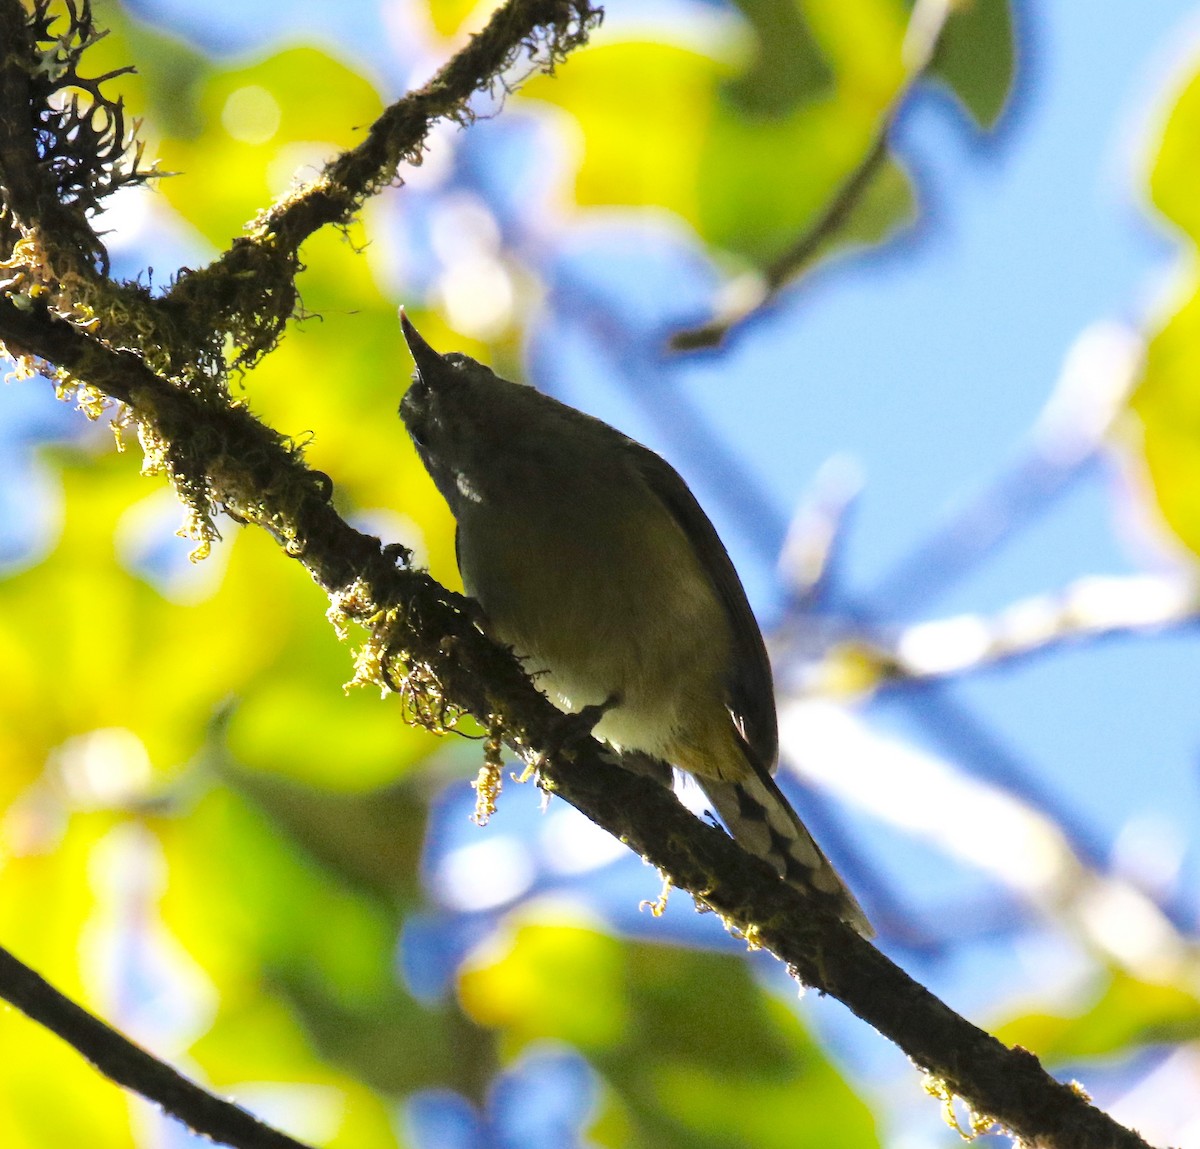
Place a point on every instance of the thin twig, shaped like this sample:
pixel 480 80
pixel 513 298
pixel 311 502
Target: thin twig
pixel 119 1059
pixel 1088 608
pixel 757 290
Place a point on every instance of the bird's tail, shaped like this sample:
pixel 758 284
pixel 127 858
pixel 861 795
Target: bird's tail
pixel 763 823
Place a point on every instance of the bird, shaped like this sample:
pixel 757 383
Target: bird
pixel 589 556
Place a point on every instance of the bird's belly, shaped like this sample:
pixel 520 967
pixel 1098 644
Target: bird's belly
pixel 622 613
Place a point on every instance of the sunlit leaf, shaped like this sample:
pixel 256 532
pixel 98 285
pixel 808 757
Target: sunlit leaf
pixel 262 123
pixel 667 91
pixel 696 1052
pixel 94 646
pixel 787 67
pixel 976 58
pixel 448 15
pixel 1174 166
pixel 564 982
pixel 1126 1014
pixel 269 919
pixel 49 1094
pixel 749 166
pixel 1167 401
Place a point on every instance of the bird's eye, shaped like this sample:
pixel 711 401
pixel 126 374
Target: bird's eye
pixel 417 432
pixel 414 411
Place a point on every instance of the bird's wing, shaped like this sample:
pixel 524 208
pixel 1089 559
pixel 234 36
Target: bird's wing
pixel 751 692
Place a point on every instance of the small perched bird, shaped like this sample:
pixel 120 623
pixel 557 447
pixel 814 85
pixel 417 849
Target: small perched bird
pixel 590 557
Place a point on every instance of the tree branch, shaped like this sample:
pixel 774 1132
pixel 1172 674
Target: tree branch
pixel 249 294
pixel 449 663
pixel 256 276
pixel 129 1065
pixel 1088 608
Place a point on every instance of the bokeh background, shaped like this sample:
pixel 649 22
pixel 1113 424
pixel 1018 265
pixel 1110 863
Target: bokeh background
pixel 956 463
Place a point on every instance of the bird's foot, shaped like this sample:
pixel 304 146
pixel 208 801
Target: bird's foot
pixel 570 731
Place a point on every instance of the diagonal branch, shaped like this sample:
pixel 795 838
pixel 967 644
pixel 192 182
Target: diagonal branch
pixel 128 1064
pixel 256 276
pixel 451 658
pixel 249 294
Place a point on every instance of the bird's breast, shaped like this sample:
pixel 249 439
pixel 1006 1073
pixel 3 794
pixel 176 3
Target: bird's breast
pixel 601 595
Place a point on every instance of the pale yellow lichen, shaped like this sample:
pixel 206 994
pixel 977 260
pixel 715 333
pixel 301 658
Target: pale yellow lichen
pixel 198 528
pixel 91 401
pixel 977 1124
pixel 383 662
pixel 490 779
pixel 531 768
pixel 371 660
pixel 121 419
pixel 658 906
pixel 22 366
pixel 155 459
pixel 353 602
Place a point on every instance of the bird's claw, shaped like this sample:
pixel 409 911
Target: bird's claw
pixel 570 731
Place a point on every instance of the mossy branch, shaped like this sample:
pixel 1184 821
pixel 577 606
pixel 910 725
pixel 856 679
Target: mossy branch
pixel 251 291
pixel 247 296
pixel 428 633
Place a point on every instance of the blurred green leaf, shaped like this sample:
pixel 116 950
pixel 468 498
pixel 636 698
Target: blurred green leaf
pixel 787 66
pixel 49 1094
pixel 1174 166
pixel 1167 400
pixel 169 77
pixel 977 58
pixel 373 840
pixel 304 725
pixel 1126 1014
pixel 91 645
pixel 666 92
pixel 262 123
pixel 551 981
pixel 288 929
pixel 448 16
pixel 748 152
pixel 695 1052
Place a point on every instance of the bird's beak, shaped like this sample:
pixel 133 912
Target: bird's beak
pixel 429 363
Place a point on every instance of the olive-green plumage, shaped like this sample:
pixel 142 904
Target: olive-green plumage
pixel 592 559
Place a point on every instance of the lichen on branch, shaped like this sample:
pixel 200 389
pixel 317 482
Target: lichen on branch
pixel 250 292
pixel 85 147
pixel 65 145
